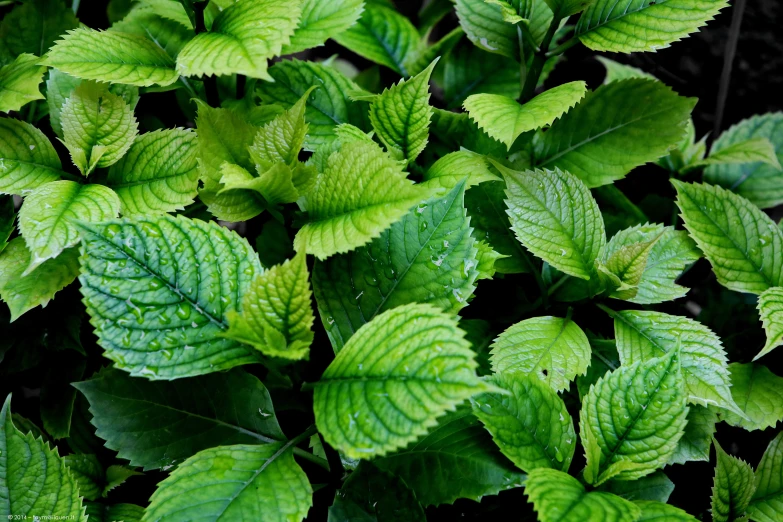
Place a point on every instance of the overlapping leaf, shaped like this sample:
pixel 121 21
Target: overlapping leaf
pixel 486 28
pixel 767 502
pixel 759 394
pixel 27 158
pixel 452 168
pixel 733 487
pixel 321 21
pixel 32 27
pixel 19 81
pixel 469 70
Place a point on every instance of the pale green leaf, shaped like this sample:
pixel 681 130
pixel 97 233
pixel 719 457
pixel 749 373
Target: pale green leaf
pixel 157 424
pixel 632 419
pixel 35 479
pixel 237 197
pixel 554 215
pixel 696 441
pixel 49 217
pixel 767 502
pixel 275 186
pixel 615 128
pixel 19 81
pixel 59 87
pixel 452 168
pixel 642 25
pixel 401 116
pixel 429 256
pixel 33 26
pixel 116 475
pixel 643 335
pixel 24 292
pixel 145 279
pixel 469 70
pixel 761 183
pixel 487 29
pixel 487 258
pixel 321 21
pixel 504 119
pixel 529 422
pixel 173 10
pixel 240 482
pixel 733 487
pixel 741 242
pixel 555 350
pixel 361 193
pixel 98 126
pixel 759 394
pixel 616 71
pixel 280 140
pixel 565 8
pixel 559 497
pixel 150 22
pixel 111 56
pixel 87 471
pixel 393 379
pixel 27 158
pixel 456 460
pixel 158 174
pixel 659 512
pixel 627 262
pixel 754 150
pixel 770 308
pixel 514 11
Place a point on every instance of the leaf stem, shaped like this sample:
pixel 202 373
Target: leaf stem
pixel 312 430
pixel 563 47
pixel 537 65
pixel 537 276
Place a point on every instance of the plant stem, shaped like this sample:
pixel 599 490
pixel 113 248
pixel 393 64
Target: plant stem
pixel 210 82
pixel 539 59
pixel 312 430
pixel 537 275
pixel 563 47
pixel 728 63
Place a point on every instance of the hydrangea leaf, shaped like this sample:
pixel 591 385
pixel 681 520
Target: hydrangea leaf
pixel 559 497
pixel 116 475
pixel 384 36
pixel 429 256
pixel 741 242
pixel 632 419
pixel 238 196
pixel 275 186
pixel 24 292
pixel 113 513
pixel 258 482
pixel 759 394
pixel 556 350
pixel 49 218
pixel 32 27
pixel 627 26
pixel 452 168
pixel 616 71
pixel 456 460
pixel 733 487
pixel 487 258
pixel 7 218
pixel 487 29
pixel 321 21
pixel 659 512
pixel 760 182
pixel 529 422
pixel 98 126
pixel 401 116
pixel 469 70
pixel 111 56
pixel 655 487
pixel 87 471
pixel 696 442
pixel 514 11
pixel 564 8
pixel 35 478
pixel 767 502
pixel 627 263
pixel 360 194
pixel 19 81
pixel 158 290
pixel 280 140
pixel 504 119
pixel 159 173
pixel 754 150
pixel 770 308
pixel 554 215
pixel 615 128
pixel 27 158
pixel 144 20
pixel 393 379
pixel 59 87
pixel 157 424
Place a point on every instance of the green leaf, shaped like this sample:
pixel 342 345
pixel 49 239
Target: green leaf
pixel 770 308
pixel 486 28
pixel 241 40
pixel 559 497
pixel 740 241
pixel 87 471
pixel 528 422
pixel 35 479
pixel 7 218
pixel 384 36
pixel 238 196
pixel 767 502
pixel 149 21
pixel 361 193
pixel 321 21
pixel 644 335
pixel 143 280
pixel 555 350
pixel 452 168
pixel 328 106
pixel 632 419
pixel 280 140
pixel 655 487
pixel 429 256
pixel 627 262
pixel 642 25
pixel 660 512
pixel 759 394
pixel 754 150
pixel 59 87
pixel 19 81
pixel 456 460
pixel 117 475
pixel 27 158
pixel 24 292
pixel 33 26
pixel 487 258
pixel 277 312
pixel 111 56
pixel 696 441
pixel 469 70
pixel 158 424
pixel 504 119
pixel 49 218
pixel 514 11
pixel 258 482
pixel 159 173
pixel 373 495
pixel 564 8
pixel 98 126
pixel 616 71
pixel 114 513
pixel 554 215
pixel 733 487
pixel 393 379
pixel 617 127
pixel 401 116
pixel 58 397
pixel 760 182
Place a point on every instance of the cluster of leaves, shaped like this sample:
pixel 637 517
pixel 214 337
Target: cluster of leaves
pixel 395 209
